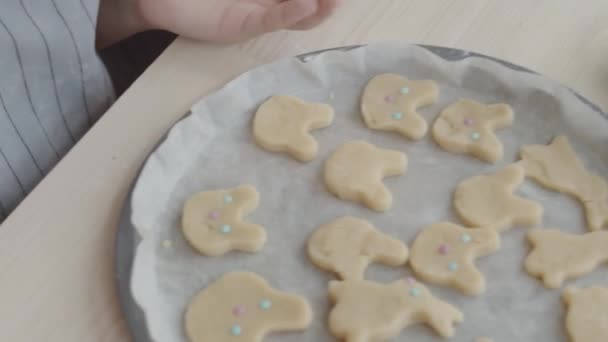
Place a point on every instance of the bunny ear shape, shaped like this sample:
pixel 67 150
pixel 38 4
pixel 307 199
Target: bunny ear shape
pixel 586 316
pixel 390 103
pixel 213 224
pixel 355 171
pixel 370 311
pixel 442 317
pixel 444 254
pixel 557 167
pixel 348 245
pixel 557 256
pixel 505 210
pixel 597 214
pixel 283 124
pixel 468 127
pixel 244 305
pixel 501 114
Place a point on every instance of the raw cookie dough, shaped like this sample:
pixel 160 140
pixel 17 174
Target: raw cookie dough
pixel 283 124
pixel 366 311
pixel 468 127
pixel 557 167
pixel 558 256
pixel 348 245
pixel 354 172
pixel 445 253
pixel 587 318
pixel 488 201
pixel 241 306
pixel 212 221
pixel 390 101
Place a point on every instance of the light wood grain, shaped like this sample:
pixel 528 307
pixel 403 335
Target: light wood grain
pixel 57 248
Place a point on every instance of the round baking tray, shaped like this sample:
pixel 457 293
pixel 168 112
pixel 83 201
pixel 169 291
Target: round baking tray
pixel 127 237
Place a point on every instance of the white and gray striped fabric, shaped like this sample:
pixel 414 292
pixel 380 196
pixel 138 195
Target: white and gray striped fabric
pixel 53 87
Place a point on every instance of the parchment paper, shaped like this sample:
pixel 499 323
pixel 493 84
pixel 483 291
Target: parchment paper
pixel 213 148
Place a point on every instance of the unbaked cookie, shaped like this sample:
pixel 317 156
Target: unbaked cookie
pixel 468 127
pixel 557 256
pixel 390 101
pixel 445 253
pixel 283 124
pixel 241 306
pixel 366 311
pixel 212 221
pixel 355 171
pixel 488 201
pixel 587 319
pixel 483 339
pixel 557 167
pixel 347 245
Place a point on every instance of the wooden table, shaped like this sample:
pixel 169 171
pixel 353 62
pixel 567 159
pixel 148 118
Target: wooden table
pixel 57 248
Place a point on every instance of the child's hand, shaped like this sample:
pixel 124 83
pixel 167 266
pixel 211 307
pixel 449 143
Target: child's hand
pixel 233 20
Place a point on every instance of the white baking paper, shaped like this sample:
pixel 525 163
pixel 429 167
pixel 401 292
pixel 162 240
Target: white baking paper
pixel 213 149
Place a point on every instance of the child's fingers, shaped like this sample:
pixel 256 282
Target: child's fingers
pixel 326 9
pixel 280 16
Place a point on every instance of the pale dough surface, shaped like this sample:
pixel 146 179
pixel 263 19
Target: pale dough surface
pixel 587 318
pixel 355 171
pixel 488 201
pixel 212 221
pixel 390 103
pixel 348 245
pixel 557 256
pixel 367 311
pixel 557 167
pixel 241 306
pixel 483 339
pixel 283 124
pixel 444 254
pixel 468 127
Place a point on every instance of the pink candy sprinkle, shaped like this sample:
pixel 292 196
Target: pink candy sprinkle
pixel 214 215
pixel 411 280
pixel 239 310
pixel 469 122
pixel 389 98
pixel 444 249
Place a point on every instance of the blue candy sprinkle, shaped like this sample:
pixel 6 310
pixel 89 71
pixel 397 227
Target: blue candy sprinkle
pixel 453 266
pixel 236 330
pixel 415 292
pixel 265 304
pixel 397 116
pixel 226 229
